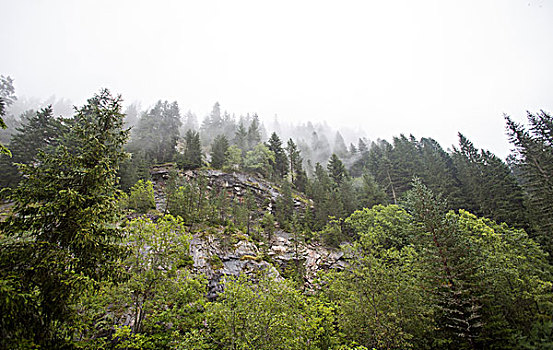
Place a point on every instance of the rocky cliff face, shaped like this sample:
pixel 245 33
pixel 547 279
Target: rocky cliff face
pixel 217 254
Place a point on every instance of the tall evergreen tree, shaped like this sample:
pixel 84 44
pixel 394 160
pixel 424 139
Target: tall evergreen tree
pixel 241 136
pixel 219 149
pixel 280 164
pixel 533 159
pixel 254 132
pixel 340 148
pixel 157 132
pixel 298 176
pixel 453 267
pixel 362 146
pixel 336 169
pixel 62 233
pixel 192 156
pixel 489 187
pixel 190 122
pixel 212 125
pixel 38 131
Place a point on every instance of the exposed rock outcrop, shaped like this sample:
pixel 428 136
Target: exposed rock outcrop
pixel 217 254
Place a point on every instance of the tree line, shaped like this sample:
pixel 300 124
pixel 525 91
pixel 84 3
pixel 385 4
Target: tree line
pixel 445 250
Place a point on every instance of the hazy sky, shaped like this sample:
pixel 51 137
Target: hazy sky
pixel 430 68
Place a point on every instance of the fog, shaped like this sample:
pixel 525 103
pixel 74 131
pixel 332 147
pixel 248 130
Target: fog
pixel 369 68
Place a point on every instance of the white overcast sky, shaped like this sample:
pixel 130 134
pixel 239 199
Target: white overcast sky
pixel 431 68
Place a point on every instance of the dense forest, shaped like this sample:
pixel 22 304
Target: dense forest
pixel 442 249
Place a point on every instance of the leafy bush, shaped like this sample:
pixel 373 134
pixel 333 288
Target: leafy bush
pixel 141 198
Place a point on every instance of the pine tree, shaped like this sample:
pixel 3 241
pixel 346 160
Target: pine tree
pixel 157 132
pixel 241 136
pixel 254 133
pixel 219 149
pixel 489 187
pixel 192 157
pixel 284 206
pixel 39 131
pixel 212 125
pixel 280 164
pixel 453 267
pixel 362 146
pixel 336 169
pixel 298 176
pixel 533 159
pixel 62 233
pixel 340 148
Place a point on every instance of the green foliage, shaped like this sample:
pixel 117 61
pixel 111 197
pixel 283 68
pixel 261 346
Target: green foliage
pixel 39 131
pixel 268 224
pixel 284 206
pixel 141 198
pixel 297 174
pixel 63 224
pixel 254 133
pixel 280 162
pixel 219 149
pixel 157 132
pixel 379 293
pixel 162 299
pixel 533 160
pixel 268 314
pixel 241 137
pixel 332 234
pixel 336 169
pixel 259 160
pixel 489 282
pixel 439 280
pixel 192 156
pixel 488 186
pixel 133 169
pixel 233 158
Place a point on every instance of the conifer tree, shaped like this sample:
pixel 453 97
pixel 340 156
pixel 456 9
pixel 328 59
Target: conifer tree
pixel 157 132
pixel 219 149
pixel 453 267
pixel 340 148
pixel 489 187
pixel 254 133
pixel 533 159
pixel 241 136
pixel 192 157
pixel 62 232
pixel 298 176
pixel 280 164
pixel 38 131
pixel 336 169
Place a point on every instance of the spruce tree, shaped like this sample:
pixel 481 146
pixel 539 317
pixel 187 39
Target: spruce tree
pixel 489 187
pixel 62 233
pixel 219 149
pixel 298 175
pixel 192 157
pixel 241 136
pixel 533 159
pixel 452 265
pixel 157 132
pixel 280 164
pixel 336 169
pixel 254 133
pixel 39 131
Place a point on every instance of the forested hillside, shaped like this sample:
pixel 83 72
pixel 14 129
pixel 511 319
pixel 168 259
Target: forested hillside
pixel 130 229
